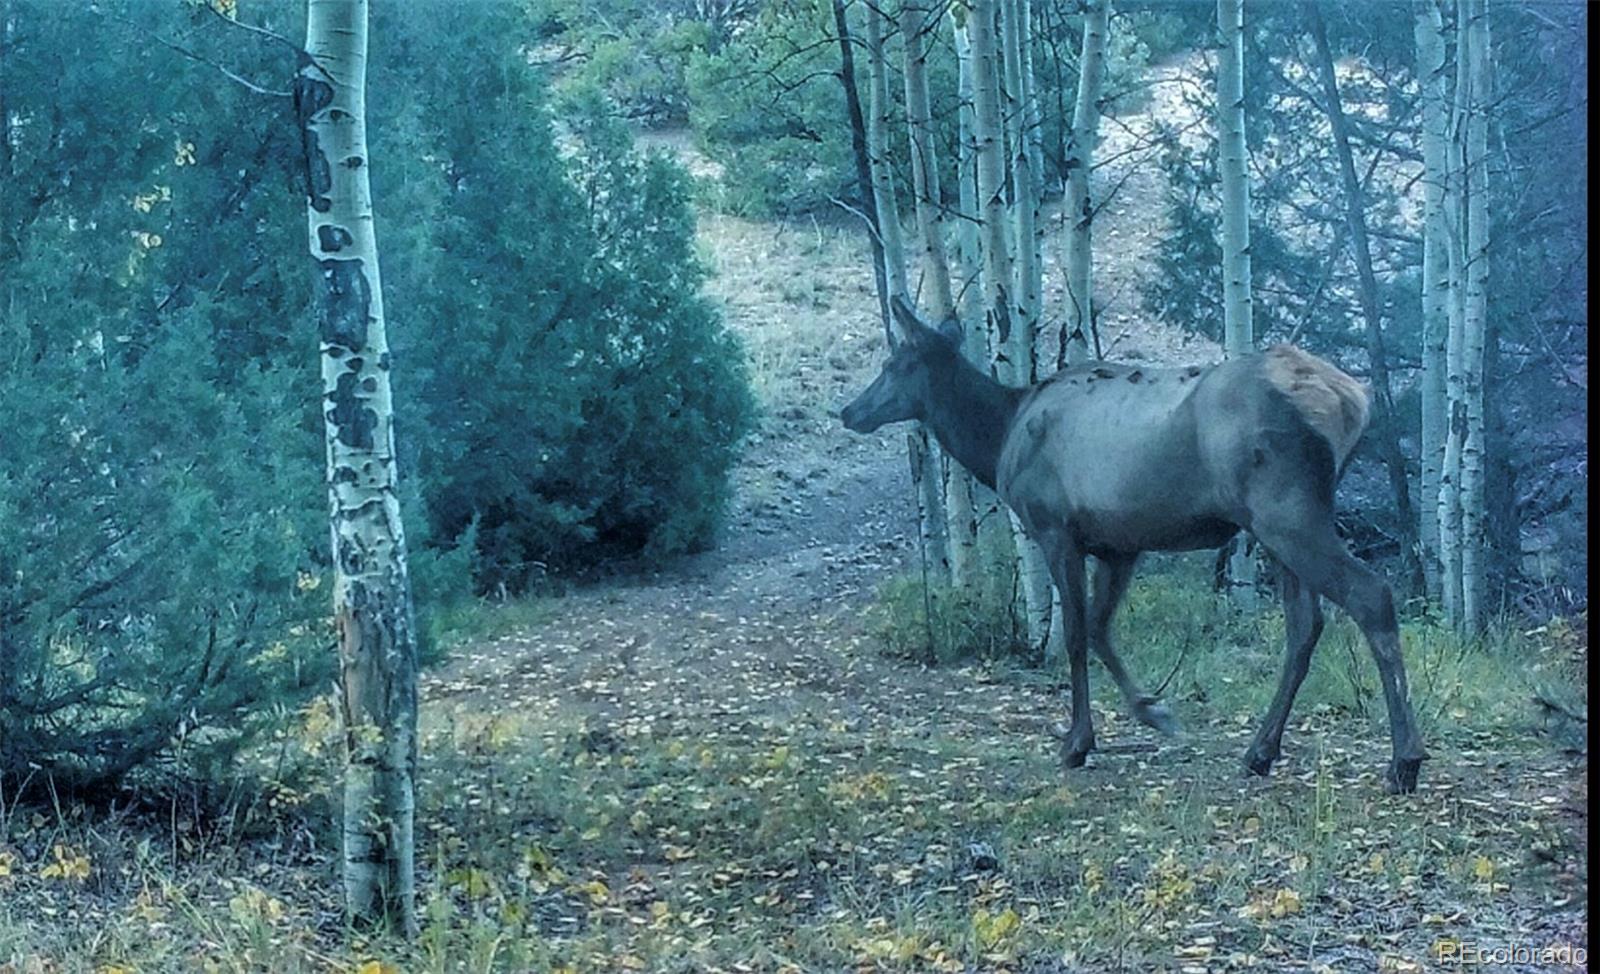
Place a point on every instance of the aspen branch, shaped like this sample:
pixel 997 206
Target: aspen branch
pixel 254 29
pixel 193 56
pixel 271 36
pixel 872 228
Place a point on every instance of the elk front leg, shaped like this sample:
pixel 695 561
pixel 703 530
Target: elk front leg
pixel 1111 579
pixel 1066 566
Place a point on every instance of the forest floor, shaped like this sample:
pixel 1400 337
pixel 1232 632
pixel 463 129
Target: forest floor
pixel 715 767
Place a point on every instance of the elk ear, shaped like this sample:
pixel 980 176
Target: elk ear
pixel 917 330
pixel 950 330
pixel 912 327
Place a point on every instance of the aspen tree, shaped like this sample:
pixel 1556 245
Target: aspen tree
pixel 371 591
pixel 1455 212
pixel 1238 327
pixel 1434 84
pixel 920 449
pixel 1474 536
pixel 917 21
pixel 1079 210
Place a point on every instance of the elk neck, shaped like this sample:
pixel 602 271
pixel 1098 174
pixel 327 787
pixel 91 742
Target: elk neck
pixel 970 414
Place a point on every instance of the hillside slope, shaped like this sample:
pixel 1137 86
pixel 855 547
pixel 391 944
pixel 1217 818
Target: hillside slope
pixel 820 517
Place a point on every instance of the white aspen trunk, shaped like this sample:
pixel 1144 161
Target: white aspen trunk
pixel 927 479
pixel 371 591
pixel 1027 180
pixel 1455 343
pixel 917 21
pixel 1039 600
pixel 878 121
pixel 920 453
pixel 1238 326
pixel 969 289
pixel 1010 365
pixel 1433 84
pixel 1079 208
pixel 1030 187
pixel 1474 536
pixel 1025 197
pixel 1033 120
pixel 860 155
pixel 988 148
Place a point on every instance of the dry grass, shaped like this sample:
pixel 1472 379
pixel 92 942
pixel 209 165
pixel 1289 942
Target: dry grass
pixel 800 295
pixel 908 822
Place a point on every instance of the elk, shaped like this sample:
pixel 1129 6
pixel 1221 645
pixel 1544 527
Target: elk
pixel 1107 461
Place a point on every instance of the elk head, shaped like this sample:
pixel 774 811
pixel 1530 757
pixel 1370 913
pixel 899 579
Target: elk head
pixel 902 390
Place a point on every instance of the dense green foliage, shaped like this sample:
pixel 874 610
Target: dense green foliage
pixel 563 391
pixel 634 53
pixel 757 82
pixel 770 108
pixel 160 486
pixel 569 393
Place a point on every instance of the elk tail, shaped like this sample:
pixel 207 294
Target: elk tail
pixel 1331 402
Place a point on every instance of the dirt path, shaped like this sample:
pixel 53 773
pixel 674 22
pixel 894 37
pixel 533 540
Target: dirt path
pixel 750 677
pixel 765 624
pixel 772 618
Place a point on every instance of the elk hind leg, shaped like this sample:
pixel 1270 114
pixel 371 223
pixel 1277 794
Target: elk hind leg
pixel 1302 613
pixel 1311 549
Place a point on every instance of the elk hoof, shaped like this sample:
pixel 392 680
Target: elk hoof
pixel 1075 744
pixel 1154 714
pixel 1072 758
pixel 1403 775
pixel 1258 761
pixel 1075 749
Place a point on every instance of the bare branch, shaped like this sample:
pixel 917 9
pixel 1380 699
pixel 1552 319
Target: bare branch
pixel 231 76
pixel 271 36
pixel 871 227
pixel 252 28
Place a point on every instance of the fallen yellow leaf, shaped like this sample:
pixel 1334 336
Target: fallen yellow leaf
pixel 1285 902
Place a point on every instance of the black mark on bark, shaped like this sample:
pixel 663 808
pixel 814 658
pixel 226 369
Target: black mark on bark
pixel 350 415
pixel 311 96
pixel 333 239
pixel 343 302
pixel 1002 316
